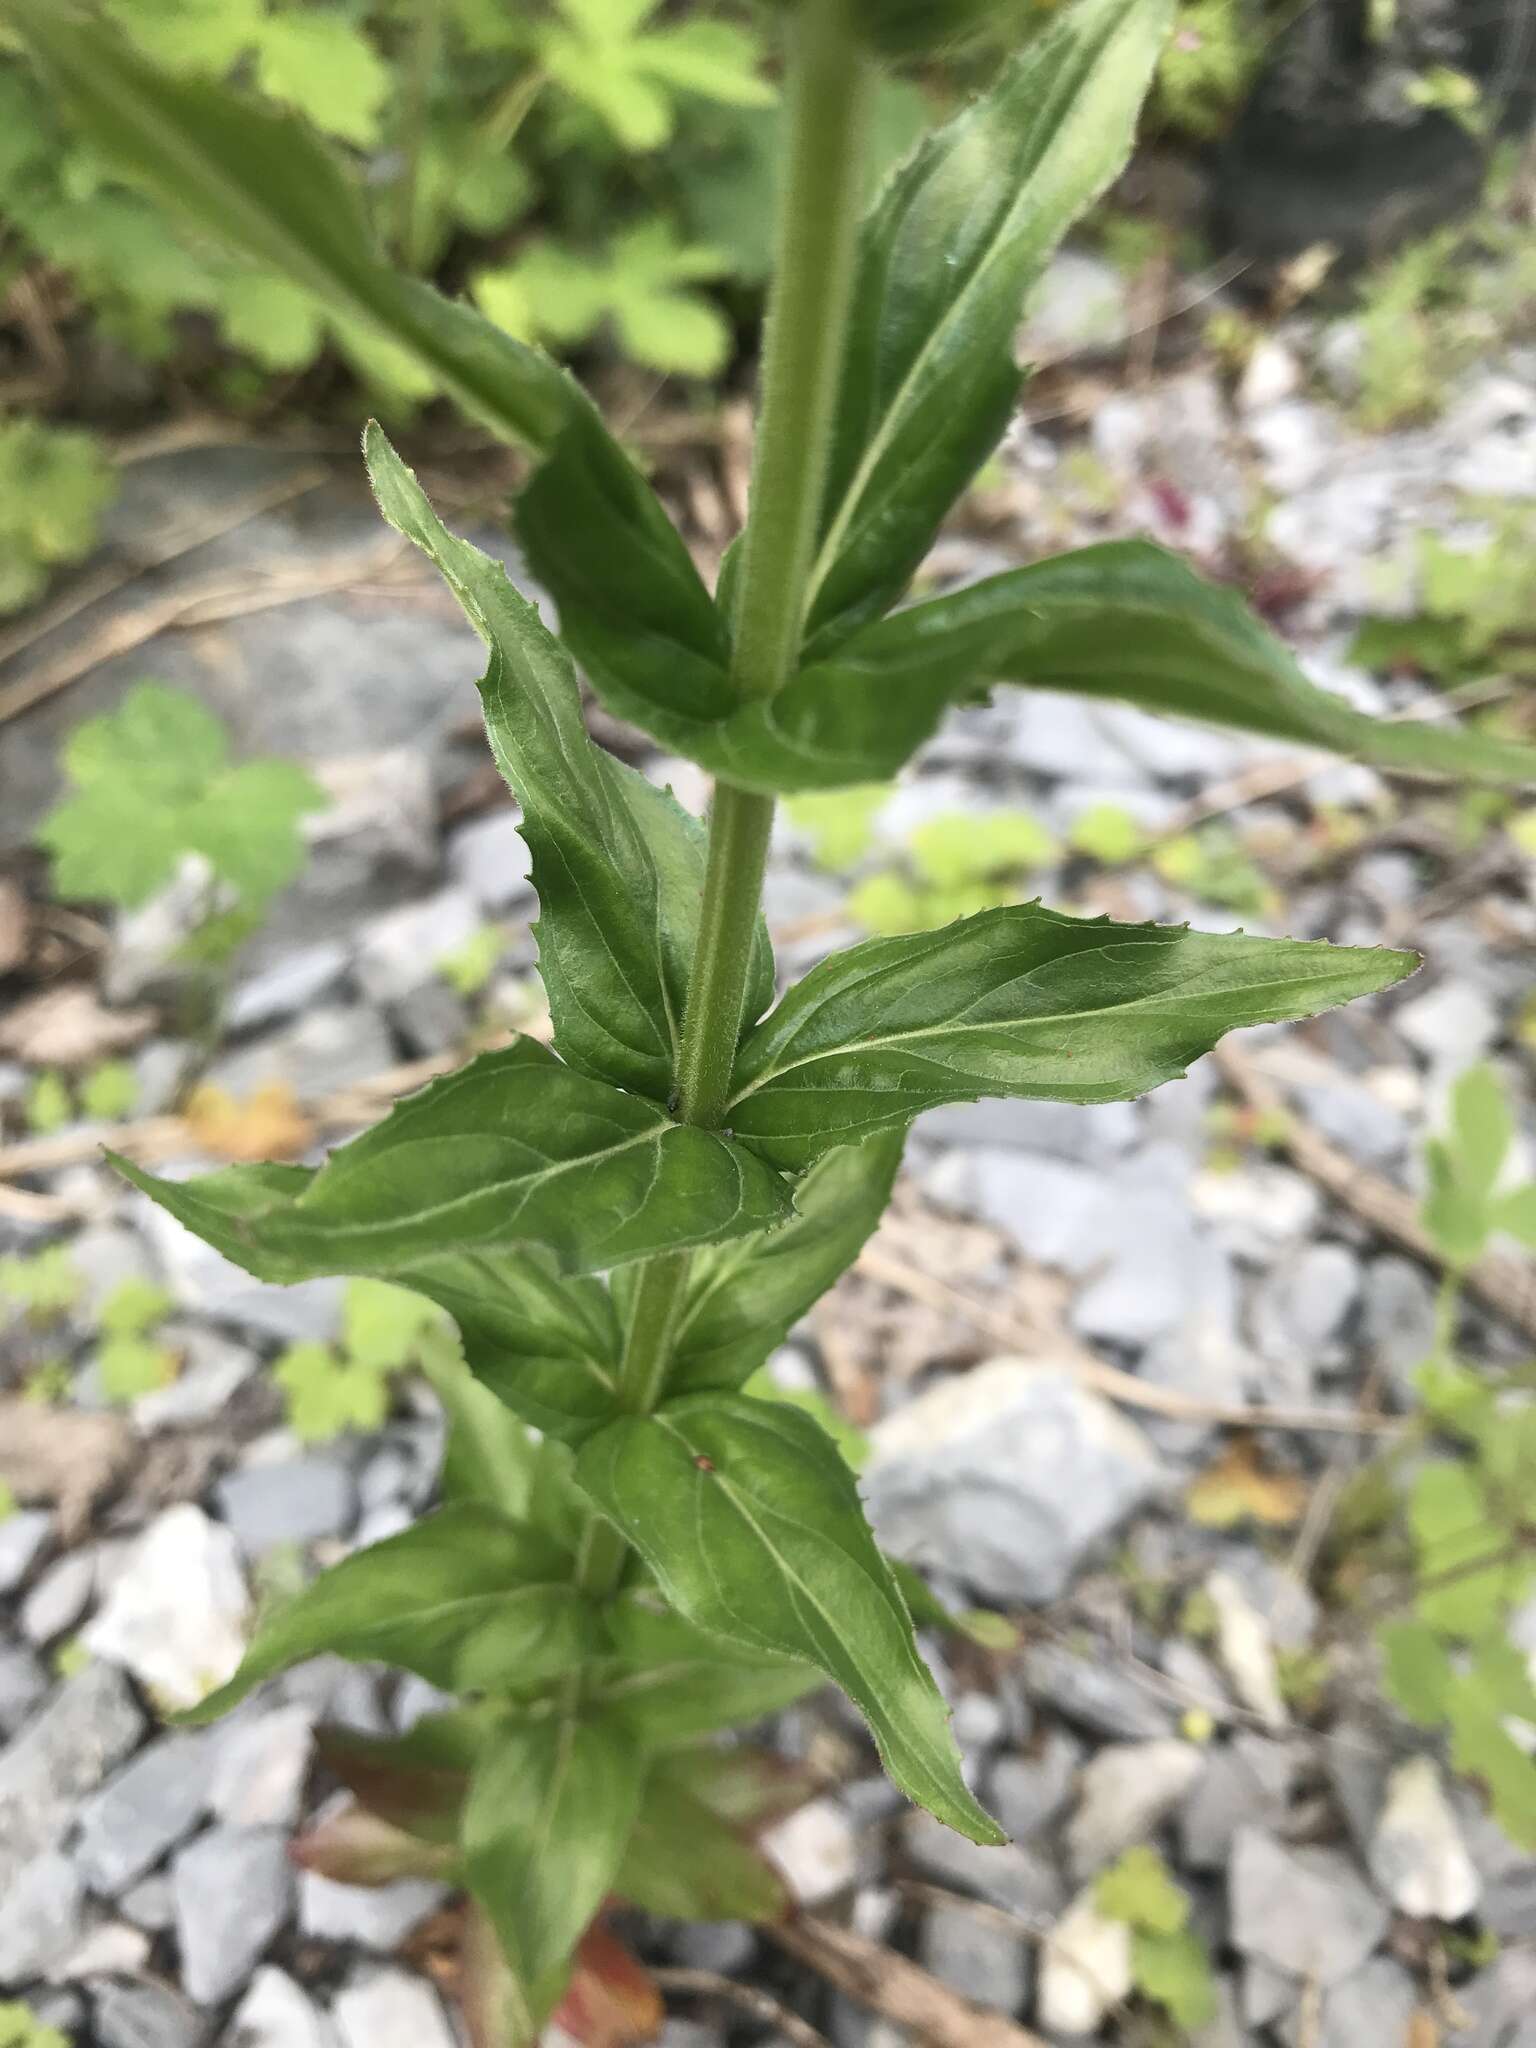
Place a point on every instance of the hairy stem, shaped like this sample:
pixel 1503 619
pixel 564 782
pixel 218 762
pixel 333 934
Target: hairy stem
pixel 828 90
pixel 421 62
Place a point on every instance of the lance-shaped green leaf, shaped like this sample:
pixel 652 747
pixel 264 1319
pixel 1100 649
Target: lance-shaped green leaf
pixel 512 1146
pixel 618 865
pixel 751 1522
pixel 673 1682
pixel 743 1298
pixel 1125 620
pixel 685 1863
pixel 259 181
pixel 550 1811
pixel 954 242
pixel 1019 1001
pixel 544 1343
pixel 466 1598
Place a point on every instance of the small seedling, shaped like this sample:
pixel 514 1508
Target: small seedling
pixel 48 1106
pixel 468 969
pixel 128 1362
pixel 331 1388
pixel 109 1092
pixel 634 1553
pixel 1169 1962
pixel 1458 1517
pixel 55 484
pixel 1474 616
pixel 42 1286
pixel 1469 1200
pixel 152 783
pixel 1213 865
pixel 70 1658
pixel 48 1384
pixel 20 2027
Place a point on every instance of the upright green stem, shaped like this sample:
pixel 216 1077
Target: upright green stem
pixel 421 62
pixel 828 91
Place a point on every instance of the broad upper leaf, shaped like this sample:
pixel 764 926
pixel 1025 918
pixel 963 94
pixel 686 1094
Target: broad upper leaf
pixel 618 865
pixel 952 246
pixel 544 1343
pixel 1018 1001
pixel 514 1146
pixel 262 183
pixel 674 1682
pixel 744 1297
pixel 470 1600
pixel 550 1811
pixel 686 1863
pixel 751 1522
pixel 1125 620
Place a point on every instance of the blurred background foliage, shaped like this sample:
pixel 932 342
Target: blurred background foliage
pixel 594 173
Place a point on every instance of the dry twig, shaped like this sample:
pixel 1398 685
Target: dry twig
pixel 110 577
pixel 203 603
pixel 1108 1380
pixel 1506 1285
pixel 896 1988
pixel 709 1984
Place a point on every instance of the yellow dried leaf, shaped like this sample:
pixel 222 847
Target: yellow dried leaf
pixel 268 1124
pixel 1239 1488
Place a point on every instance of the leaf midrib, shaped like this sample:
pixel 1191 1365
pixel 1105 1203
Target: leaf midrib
pixel 800 1591
pixel 958 1027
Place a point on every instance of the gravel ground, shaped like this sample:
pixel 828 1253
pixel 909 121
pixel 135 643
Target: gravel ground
pixel 1058 1307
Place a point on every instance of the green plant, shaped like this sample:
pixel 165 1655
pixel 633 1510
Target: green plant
pixel 1432 310
pixel 672 1555
pixel 960 863
pixel 330 1388
pixel 55 483
pixel 153 782
pixel 469 967
pixel 42 1286
pixel 1211 863
pixel 1474 612
pixel 20 2027
pixel 109 1092
pixel 964 861
pixel 640 281
pixel 153 787
pixel 1169 1962
pixel 1450 1663
pixel 128 1362
pixel 47 1105
pixel 46 1385
pixel 1469 1200
pixel 106 1094
pixel 461 122
pixel 1212 55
